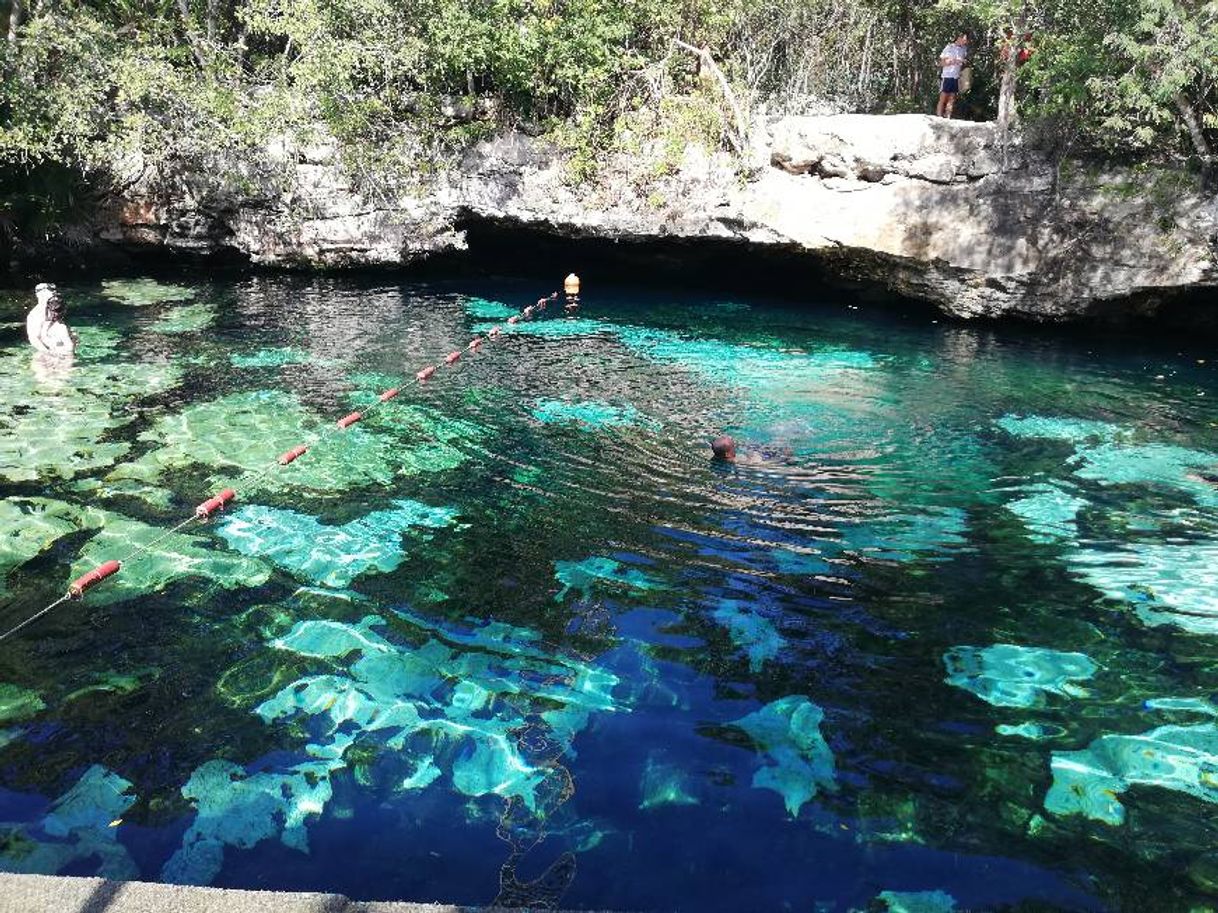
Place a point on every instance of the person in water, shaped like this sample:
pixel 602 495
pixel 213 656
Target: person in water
pixel 723 450
pixel 45 326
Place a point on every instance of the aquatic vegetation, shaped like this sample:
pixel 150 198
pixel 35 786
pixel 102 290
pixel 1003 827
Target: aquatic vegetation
pixel 239 808
pixel 175 555
pixel 29 525
pixel 1089 782
pixel 482 309
pixel 1009 675
pixel 270 358
pixel 1070 430
pixel 187 318
pixel 918 901
pixel 1166 584
pixel 332 555
pixel 1149 464
pixel 590 414
pixel 787 733
pixel 1049 512
pixel 664 784
pixel 80 828
pixel 143 292
pixel 749 630
pixel 17 704
pixel 596 571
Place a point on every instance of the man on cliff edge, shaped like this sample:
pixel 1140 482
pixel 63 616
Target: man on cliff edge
pixel 952 61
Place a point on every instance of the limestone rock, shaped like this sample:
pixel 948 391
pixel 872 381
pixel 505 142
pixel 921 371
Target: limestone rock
pixel 939 210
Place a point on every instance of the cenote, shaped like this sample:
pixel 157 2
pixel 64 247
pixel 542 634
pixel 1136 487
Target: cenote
pixel 950 643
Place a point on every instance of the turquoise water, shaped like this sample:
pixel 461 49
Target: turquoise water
pixel 945 638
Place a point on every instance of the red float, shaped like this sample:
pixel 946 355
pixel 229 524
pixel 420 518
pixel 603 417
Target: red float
pixel 211 505
pixel 426 373
pixel 293 454
pixel 348 420
pixel 389 394
pixel 77 587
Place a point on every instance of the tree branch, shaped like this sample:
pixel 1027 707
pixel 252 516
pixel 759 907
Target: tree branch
pixel 739 140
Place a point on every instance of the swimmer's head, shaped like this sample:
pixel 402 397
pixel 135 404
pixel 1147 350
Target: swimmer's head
pixel 55 309
pixel 724 448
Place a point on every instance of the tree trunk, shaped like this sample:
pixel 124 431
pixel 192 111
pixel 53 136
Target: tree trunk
pixel 16 15
pixel 192 40
pixel 1006 91
pixel 1189 116
pixel 740 138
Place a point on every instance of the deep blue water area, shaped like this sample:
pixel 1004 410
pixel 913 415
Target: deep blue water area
pixel 945 637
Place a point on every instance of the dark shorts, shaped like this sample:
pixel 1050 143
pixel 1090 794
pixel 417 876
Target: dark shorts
pixel 951 86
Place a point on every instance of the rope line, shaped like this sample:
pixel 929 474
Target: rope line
pixel 216 503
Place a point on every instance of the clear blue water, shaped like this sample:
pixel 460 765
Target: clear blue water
pixel 945 638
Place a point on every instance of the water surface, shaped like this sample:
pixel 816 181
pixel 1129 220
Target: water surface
pixel 945 639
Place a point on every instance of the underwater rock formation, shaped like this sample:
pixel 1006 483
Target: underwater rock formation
pixel 800 763
pixel 174 556
pixel 332 556
pixel 81 827
pixel 483 704
pixel 749 630
pixel 1008 675
pixel 1089 782
pixel 597 571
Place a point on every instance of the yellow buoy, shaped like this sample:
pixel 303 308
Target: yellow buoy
pixel 570 285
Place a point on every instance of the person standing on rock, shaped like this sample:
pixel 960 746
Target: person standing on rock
pixel 45 326
pixel 952 61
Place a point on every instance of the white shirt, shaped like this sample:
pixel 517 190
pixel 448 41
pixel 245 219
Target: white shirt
pixel 954 54
pixel 54 338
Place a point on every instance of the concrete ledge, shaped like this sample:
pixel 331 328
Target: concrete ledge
pixel 61 894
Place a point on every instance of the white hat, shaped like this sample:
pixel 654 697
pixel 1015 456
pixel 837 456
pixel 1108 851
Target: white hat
pixel 44 287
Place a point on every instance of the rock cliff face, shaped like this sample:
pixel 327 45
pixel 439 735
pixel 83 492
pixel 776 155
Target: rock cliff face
pixel 934 209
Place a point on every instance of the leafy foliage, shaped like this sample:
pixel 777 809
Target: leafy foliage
pixel 84 84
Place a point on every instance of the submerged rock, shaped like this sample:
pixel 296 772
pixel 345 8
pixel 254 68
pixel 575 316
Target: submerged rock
pixel 237 808
pixel 172 557
pixel 1009 675
pixel 918 902
pixel 597 571
pixel 787 733
pixel 1167 584
pixel 1090 782
pixel 749 630
pixel 332 556
pixel 664 784
pixel 80 831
